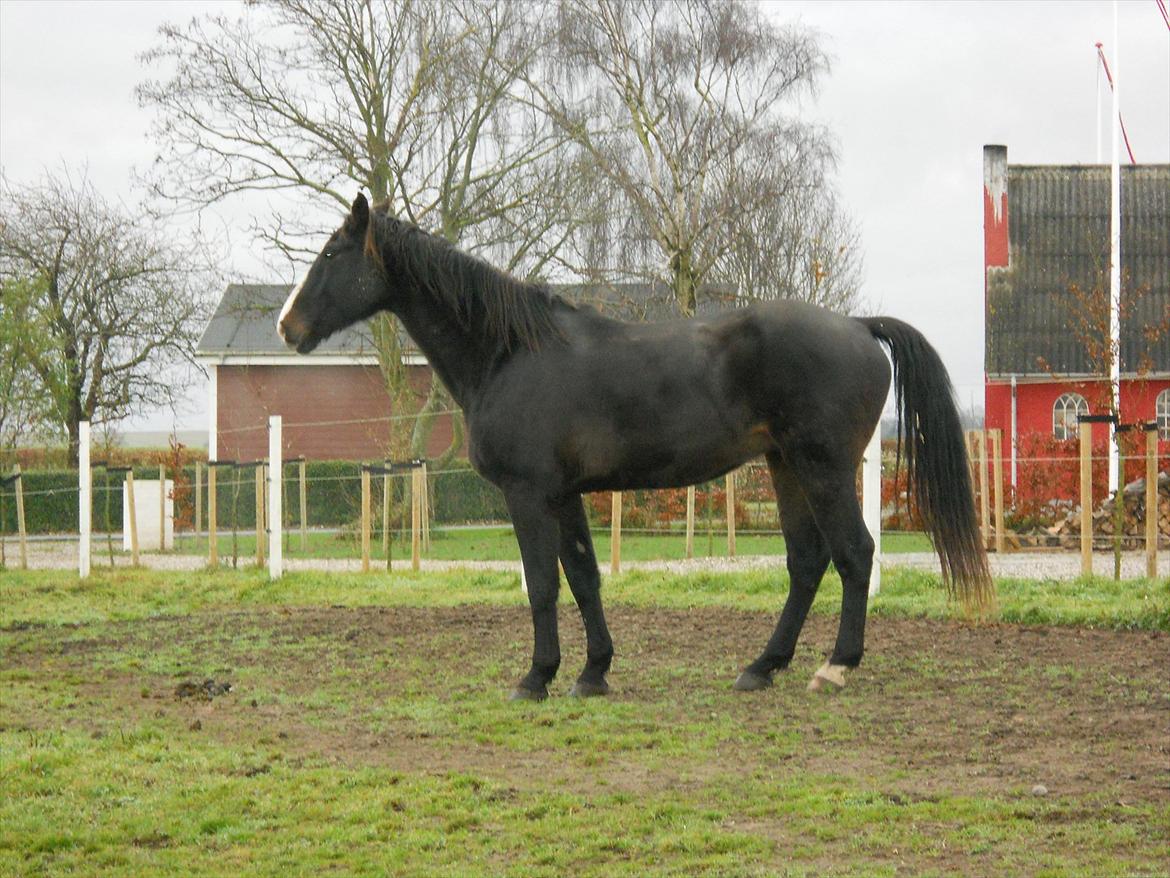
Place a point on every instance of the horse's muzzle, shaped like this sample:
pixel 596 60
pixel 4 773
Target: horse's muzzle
pixel 296 335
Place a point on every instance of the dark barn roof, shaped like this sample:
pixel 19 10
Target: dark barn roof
pixel 1058 233
pixel 244 324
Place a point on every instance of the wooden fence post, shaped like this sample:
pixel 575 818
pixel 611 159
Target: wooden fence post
pixel 85 500
pixel 730 490
pixel 365 520
pixel 972 440
pixel 615 532
pixel 304 491
pixel 162 507
pixel 198 497
pixel 19 485
pixel 132 515
pixel 690 521
pixel 416 492
pixel 388 488
pixel 1086 436
pixel 212 536
pixel 386 492
pixel 259 514
pixel 1152 499
pixel 984 504
pixel 997 477
pixel 109 524
pixel 425 508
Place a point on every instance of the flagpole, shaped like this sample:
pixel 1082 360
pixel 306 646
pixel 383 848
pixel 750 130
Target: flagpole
pixel 1115 257
pixel 1098 116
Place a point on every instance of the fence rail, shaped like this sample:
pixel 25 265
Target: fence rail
pixel 215 497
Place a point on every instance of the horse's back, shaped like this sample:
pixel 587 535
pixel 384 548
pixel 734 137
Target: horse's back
pixel 820 377
pixel 673 402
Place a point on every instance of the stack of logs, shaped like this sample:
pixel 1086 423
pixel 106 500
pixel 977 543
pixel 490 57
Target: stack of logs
pixel 1068 530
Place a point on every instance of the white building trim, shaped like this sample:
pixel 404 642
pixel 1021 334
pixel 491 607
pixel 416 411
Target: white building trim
pixel 1070 378
pixel 212 410
pixel 211 361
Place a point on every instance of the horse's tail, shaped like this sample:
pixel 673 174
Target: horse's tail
pixel 936 460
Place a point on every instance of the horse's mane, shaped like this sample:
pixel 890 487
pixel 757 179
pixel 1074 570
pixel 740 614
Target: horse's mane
pixel 512 312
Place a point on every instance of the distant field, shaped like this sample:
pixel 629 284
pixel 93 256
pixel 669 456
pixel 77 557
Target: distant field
pixel 366 731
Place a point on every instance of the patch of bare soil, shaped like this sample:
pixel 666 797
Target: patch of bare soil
pixel 938 708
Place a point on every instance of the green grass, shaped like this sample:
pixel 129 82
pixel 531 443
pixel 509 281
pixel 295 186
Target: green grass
pixel 140 803
pixel 494 543
pixel 339 753
pixel 57 597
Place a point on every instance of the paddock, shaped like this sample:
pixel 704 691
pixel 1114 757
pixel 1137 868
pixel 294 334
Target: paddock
pixel 361 732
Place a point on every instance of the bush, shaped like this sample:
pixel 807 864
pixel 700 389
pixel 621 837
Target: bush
pixel 460 495
pixel 50 500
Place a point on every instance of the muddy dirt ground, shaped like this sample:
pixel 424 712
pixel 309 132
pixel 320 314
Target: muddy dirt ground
pixel 937 706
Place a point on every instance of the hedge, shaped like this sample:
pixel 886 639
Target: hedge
pixel 458 496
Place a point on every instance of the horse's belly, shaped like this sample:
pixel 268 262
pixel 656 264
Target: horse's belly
pixel 606 459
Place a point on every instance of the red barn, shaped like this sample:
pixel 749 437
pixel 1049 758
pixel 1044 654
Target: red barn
pixel 1046 274
pixel 333 402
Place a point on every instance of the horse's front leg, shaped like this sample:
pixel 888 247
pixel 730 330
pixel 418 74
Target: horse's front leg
pixel 537 533
pixel 580 563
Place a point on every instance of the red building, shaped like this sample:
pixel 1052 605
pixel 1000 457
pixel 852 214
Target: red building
pixel 1046 275
pixel 333 402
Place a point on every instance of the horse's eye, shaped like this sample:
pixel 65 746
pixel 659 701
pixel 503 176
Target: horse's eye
pixel 328 254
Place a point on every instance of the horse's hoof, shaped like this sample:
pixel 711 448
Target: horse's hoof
pixel 520 693
pixel 828 678
pixel 750 681
pixel 585 689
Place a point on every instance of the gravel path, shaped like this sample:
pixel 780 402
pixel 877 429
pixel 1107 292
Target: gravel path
pixel 1026 565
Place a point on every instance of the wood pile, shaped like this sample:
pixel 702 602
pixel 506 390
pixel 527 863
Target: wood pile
pixel 1068 530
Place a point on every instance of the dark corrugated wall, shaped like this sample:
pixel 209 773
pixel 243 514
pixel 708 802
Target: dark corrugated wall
pixel 1058 222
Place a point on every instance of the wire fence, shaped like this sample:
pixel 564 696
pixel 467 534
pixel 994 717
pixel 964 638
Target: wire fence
pixel 1027 496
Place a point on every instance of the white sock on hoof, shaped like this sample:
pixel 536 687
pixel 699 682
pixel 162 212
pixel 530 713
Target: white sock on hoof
pixel 828 676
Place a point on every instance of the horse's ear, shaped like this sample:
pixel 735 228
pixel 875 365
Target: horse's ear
pixel 359 215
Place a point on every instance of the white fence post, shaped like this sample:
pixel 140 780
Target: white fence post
pixel 275 510
pixel 871 503
pixel 85 504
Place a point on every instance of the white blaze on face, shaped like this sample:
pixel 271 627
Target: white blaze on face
pixel 287 307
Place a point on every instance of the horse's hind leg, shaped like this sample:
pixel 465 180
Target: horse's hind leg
pixel 580 563
pixel 832 495
pixel 808 557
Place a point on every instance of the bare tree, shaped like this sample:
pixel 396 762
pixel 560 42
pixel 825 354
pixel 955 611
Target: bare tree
pixel 22 406
pixel 116 304
pixel 799 247
pixel 678 105
pixel 416 101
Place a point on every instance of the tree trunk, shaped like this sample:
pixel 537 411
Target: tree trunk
pixel 73 418
pixel 437 401
pixel 74 443
pixel 683 282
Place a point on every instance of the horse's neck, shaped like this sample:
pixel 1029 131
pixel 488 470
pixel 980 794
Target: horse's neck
pixel 459 355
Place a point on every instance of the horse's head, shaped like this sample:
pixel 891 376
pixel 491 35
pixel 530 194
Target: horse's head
pixel 344 284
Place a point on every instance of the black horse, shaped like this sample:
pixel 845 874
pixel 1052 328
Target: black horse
pixel 559 400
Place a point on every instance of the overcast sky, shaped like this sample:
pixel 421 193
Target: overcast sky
pixel 915 91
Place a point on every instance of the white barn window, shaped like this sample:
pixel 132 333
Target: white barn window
pixel 1162 412
pixel 1064 415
